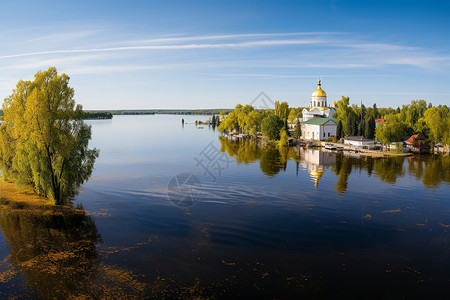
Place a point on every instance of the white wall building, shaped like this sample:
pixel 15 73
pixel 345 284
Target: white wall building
pixel 319 129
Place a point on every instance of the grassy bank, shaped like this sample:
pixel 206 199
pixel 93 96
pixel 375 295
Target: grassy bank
pixel 394 153
pixel 25 200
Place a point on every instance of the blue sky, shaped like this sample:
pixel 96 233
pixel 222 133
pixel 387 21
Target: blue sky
pixel 210 54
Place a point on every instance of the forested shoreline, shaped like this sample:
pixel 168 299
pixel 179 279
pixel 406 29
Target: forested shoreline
pixel 394 124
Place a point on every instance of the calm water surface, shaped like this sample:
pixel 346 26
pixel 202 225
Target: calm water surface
pixel 241 221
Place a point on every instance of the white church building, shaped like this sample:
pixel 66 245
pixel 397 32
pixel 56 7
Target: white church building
pixel 318 122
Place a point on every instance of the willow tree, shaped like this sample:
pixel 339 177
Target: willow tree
pixel 44 139
pixel 391 131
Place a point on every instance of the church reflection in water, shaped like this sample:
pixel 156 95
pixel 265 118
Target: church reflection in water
pixel 316 162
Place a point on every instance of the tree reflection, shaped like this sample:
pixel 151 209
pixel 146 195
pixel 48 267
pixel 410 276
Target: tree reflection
pixel 247 151
pixel 345 168
pixel 53 247
pixel 415 167
pixel 389 169
pixel 272 159
pixel 437 169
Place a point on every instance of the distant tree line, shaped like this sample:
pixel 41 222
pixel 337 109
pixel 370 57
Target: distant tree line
pixel 169 111
pixel 97 115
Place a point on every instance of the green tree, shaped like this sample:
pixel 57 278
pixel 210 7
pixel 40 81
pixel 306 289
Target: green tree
pixel 376 114
pixel 399 148
pixel 222 115
pixel 292 116
pixel 283 138
pixel 45 141
pixel 217 121
pixel 298 130
pixel 391 131
pixel 363 112
pixel 412 112
pixel 347 116
pixel 339 130
pixel 361 128
pixel 437 121
pixel 282 110
pixel 253 123
pixel 230 123
pixel 350 128
pixel 369 130
pixel 422 127
pixel 271 126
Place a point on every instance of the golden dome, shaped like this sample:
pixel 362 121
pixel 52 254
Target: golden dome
pixel 319 92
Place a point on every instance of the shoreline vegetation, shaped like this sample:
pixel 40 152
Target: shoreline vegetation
pixel 25 200
pixel 90 115
pixel 424 124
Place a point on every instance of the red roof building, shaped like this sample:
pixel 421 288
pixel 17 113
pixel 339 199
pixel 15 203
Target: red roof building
pixel 417 143
pixel 378 121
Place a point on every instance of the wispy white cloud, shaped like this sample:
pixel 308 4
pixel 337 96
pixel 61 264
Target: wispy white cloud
pixel 374 46
pixel 172 47
pixel 36 63
pixel 317 50
pixel 118 68
pixel 64 36
pixel 228 36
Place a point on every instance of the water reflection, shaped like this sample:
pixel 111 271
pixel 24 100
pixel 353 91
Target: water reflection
pixel 260 231
pixel 432 170
pixel 53 248
pixel 316 162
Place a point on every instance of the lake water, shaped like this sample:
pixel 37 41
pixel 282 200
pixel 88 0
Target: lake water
pixel 180 212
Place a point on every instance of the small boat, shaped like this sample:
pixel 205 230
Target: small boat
pixel 330 147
